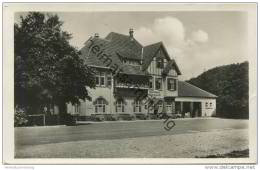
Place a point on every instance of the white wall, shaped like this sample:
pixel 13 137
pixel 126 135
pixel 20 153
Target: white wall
pixel 157 73
pixel 208 111
pixel 106 93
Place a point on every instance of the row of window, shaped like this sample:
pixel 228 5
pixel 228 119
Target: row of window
pixel 100 106
pixel 171 84
pixel 106 81
pixel 132 62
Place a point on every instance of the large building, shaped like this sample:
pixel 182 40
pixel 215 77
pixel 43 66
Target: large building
pixel 137 81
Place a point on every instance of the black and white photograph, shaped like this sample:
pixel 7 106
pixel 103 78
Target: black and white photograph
pixel 124 83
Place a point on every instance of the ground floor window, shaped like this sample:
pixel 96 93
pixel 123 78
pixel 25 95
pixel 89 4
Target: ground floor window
pixel 169 107
pixel 120 108
pixel 137 107
pixel 160 106
pixel 77 108
pixel 100 106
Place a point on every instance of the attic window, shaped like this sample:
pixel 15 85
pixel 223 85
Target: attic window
pixel 159 62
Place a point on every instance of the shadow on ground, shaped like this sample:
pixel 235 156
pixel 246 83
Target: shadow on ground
pixel 233 154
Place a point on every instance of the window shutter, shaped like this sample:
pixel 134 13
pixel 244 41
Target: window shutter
pixel 175 84
pixel 168 84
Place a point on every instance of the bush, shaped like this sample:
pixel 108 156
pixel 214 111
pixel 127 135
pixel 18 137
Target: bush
pixel 20 117
pixel 175 116
pixel 110 117
pixel 84 118
pixel 126 116
pixel 97 117
pixel 153 116
pixel 36 120
pixel 141 116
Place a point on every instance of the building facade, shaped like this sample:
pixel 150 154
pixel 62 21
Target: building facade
pixel 137 81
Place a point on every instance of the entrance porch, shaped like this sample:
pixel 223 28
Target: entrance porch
pixel 189 109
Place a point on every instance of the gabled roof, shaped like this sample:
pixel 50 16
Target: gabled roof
pixel 188 90
pixel 149 53
pixel 171 64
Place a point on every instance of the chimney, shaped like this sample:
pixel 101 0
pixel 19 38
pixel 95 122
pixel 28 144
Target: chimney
pixel 96 35
pixel 131 33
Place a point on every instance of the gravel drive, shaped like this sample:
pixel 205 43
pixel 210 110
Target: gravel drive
pixel 188 145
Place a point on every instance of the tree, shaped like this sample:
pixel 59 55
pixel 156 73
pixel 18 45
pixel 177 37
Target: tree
pixel 230 84
pixel 48 70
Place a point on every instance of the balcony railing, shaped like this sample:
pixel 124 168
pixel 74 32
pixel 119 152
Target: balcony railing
pixel 131 85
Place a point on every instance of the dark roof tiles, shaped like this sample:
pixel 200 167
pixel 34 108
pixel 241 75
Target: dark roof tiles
pixel 188 90
pixel 118 47
pixel 149 52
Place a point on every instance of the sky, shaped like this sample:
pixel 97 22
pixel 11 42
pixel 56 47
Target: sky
pixel 197 40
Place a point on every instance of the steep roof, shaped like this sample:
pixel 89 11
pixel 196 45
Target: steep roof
pixel 188 90
pixel 114 46
pixel 171 64
pixel 149 53
pixel 125 44
pixel 119 47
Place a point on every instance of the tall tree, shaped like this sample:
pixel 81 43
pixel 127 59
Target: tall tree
pixel 48 70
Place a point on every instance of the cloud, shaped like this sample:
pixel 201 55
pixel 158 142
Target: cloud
pixel 199 36
pixel 146 36
pixel 182 46
pixel 170 29
pixel 172 32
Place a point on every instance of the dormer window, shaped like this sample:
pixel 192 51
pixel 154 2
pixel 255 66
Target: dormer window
pixel 132 62
pixel 159 62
